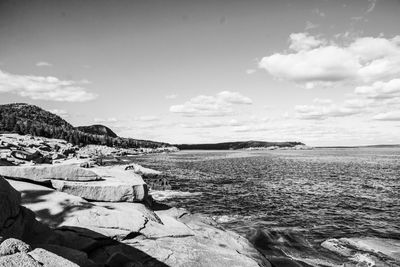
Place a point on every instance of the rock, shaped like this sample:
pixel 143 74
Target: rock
pixel 285 262
pixel 118 259
pixel 79 238
pixel 73 255
pixel 56 156
pixel 11 246
pixel 145 172
pixel 48 173
pixel 87 164
pixel 117 185
pixel 207 246
pixel 10 199
pixel 158 184
pixel 18 259
pixel 109 219
pixel 5 162
pixel 49 259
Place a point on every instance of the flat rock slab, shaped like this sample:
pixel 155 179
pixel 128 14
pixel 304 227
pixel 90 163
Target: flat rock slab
pixel 117 185
pixel 57 209
pixel 48 173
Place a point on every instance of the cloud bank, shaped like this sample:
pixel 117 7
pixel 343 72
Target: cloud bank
pixel 312 60
pixel 44 88
pixel 213 106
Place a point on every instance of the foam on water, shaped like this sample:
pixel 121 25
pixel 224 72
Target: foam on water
pixel 369 251
pixel 162 195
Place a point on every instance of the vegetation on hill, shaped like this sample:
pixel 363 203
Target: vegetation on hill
pixel 97 129
pixel 237 145
pixel 29 119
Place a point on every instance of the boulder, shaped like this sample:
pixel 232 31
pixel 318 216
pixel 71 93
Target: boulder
pixel 57 209
pixel 18 259
pixel 117 185
pixel 11 246
pixel 145 172
pixel 43 174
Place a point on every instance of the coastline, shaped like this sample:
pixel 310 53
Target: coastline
pixel 106 225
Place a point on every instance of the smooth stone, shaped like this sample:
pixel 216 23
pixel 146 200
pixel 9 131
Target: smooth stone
pixel 48 173
pixel 117 185
pixel 58 209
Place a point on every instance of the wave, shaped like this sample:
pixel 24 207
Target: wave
pixel 369 251
pixel 162 195
pixel 293 243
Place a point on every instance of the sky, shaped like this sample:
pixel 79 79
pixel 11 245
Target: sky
pixel 323 72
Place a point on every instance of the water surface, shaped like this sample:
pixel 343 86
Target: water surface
pixel 290 202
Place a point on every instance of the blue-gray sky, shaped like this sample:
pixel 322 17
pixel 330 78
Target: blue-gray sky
pixel 321 72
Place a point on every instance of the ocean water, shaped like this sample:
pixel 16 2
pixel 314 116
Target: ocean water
pixel 325 207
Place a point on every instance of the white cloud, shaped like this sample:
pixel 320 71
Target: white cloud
pixel 43 88
pixel 171 96
pixel 371 6
pixel 103 120
pixel 219 105
pixel 323 109
pixel 250 71
pixel 43 64
pixel 303 41
pixel 60 112
pixel 380 90
pixel 315 60
pixel 213 124
pixel 318 12
pixel 388 116
pixel 310 26
pixel 147 118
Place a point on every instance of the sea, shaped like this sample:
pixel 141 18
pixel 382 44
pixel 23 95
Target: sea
pixel 323 207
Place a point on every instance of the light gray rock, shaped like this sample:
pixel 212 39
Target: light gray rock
pixel 117 185
pixel 146 172
pixel 115 220
pixel 207 246
pixel 11 246
pixel 18 259
pixel 48 173
pixel 49 259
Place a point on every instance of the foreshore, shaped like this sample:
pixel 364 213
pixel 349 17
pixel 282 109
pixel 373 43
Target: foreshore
pixel 77 210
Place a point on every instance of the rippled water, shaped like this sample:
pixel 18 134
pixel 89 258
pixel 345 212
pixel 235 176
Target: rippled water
pixel 290 202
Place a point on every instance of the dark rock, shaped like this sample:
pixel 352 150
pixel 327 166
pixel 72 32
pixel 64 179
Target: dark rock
pixel 49 259
pixel 158 184
pixel 119 259
pixel 10 199
pixel 73 255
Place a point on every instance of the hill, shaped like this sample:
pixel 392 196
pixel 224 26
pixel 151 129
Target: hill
pixel 23 118
pixel 97 129
pixel 236 145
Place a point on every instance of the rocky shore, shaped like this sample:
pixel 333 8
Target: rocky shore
pixel 76 210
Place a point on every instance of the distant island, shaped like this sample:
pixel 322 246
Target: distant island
pixel 240 145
